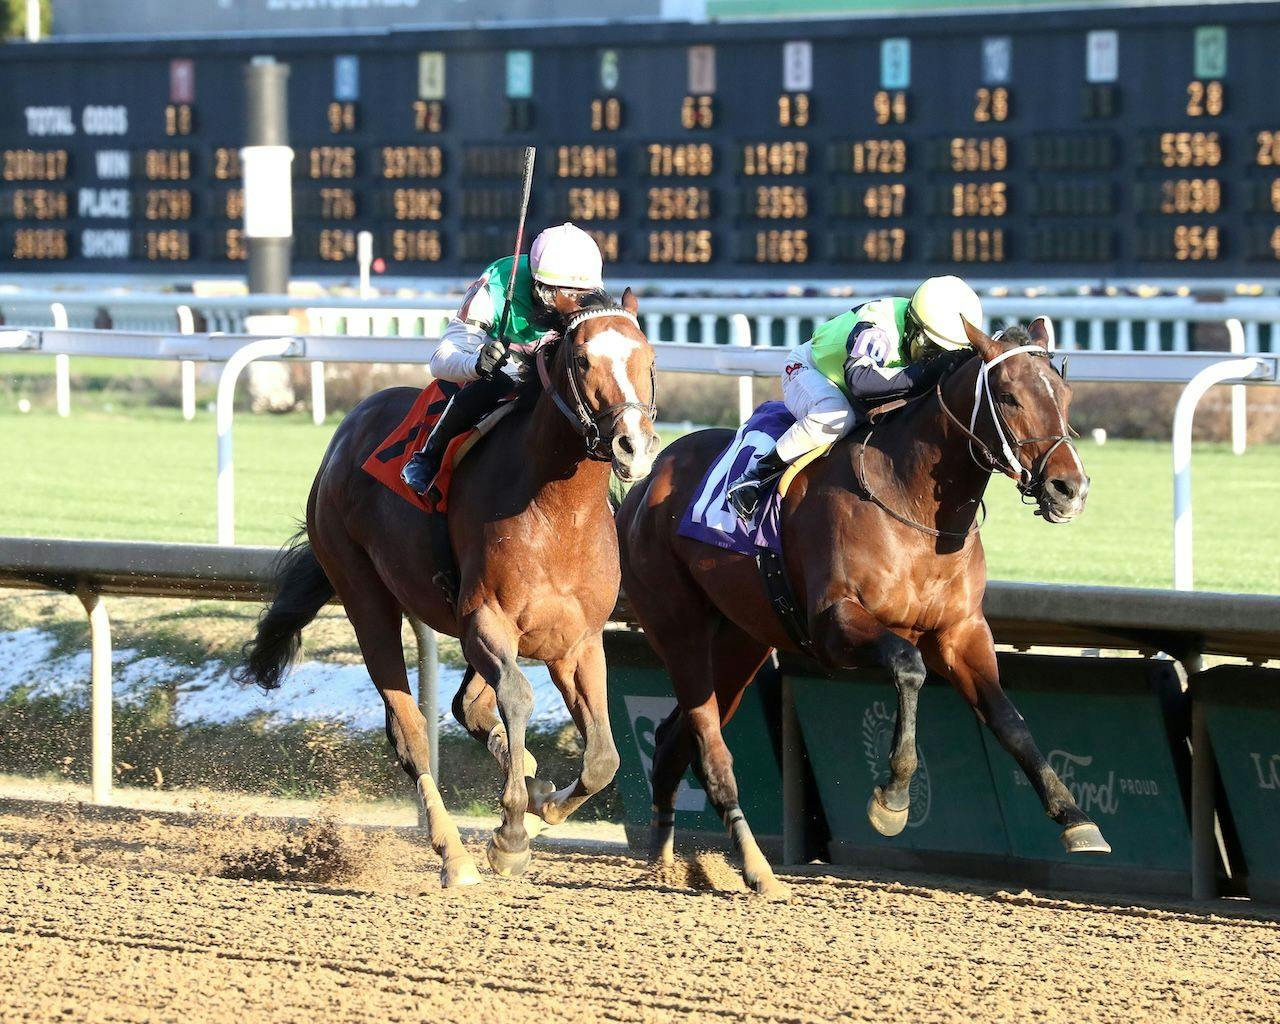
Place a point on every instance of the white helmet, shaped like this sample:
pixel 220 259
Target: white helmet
pixel 565 256
pixel 938 305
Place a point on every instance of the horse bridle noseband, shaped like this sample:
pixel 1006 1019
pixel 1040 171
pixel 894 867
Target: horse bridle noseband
pixel 1026 480
pixel 584 420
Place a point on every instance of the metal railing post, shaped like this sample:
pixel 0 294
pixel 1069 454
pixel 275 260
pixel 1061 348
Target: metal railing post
pixel 187 325
pixel 793 809
pixel 1239 407
pixel 61 364
pixel 318 408
pixel 1204 839
pixel 428 704
pixel 740 328
pixel 1183 417
pixel 100 711
pixel 242 357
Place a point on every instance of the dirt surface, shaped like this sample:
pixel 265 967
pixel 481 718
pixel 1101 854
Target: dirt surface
pixel 128 916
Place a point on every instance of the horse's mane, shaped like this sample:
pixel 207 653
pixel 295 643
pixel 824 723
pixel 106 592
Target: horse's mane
pixel 596 298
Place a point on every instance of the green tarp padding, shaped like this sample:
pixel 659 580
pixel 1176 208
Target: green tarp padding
pixel 1242 710
pixel 640 696
pixel 1101 723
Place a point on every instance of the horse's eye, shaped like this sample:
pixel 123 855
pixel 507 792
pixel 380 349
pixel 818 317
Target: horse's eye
pixel 1007 399
pixel 581 362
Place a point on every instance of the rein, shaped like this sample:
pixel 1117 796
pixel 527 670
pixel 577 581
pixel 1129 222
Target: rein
pixel 1027 480
pixel 583 419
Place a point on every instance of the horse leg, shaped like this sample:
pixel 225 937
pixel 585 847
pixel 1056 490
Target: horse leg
pixel 966 655
pixel 730 660
pixel 376 618
pixel 475 707
pixel 582 682
pixel 673 752
pixel 489 643
pixel 851 635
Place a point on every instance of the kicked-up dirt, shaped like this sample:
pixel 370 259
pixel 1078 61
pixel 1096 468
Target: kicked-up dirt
pixel 141 916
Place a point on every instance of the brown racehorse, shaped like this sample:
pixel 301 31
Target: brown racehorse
pixel 537 553
pixel 883 554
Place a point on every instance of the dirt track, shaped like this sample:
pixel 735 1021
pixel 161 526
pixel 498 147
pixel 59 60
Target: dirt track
pixel 125 918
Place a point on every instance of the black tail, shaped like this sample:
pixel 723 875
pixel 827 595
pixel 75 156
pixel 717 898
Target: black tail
pixel 302 589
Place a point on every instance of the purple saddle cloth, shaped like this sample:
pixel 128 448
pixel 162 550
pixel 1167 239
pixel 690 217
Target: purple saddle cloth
pixel 709 517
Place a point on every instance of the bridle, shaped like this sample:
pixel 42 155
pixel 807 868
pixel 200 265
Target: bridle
pixel 581 416
pixel 1028 481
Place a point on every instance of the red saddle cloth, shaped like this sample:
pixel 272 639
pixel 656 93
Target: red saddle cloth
pixel 388 459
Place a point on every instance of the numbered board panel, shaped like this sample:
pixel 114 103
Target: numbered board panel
pixel 1123 143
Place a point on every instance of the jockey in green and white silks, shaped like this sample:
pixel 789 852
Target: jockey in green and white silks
pixel 564 264
pixel 877 350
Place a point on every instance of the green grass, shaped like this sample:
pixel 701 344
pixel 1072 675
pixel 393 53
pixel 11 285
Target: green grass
pixel 150 476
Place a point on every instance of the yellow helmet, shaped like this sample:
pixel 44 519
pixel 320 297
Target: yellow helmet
pixel 937 307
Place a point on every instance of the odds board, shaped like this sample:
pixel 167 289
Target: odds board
pixel 1126 143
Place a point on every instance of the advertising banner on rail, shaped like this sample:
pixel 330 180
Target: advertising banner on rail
pixel 1242 709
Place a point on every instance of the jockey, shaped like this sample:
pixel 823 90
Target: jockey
pixel 563 265
pixel 878 350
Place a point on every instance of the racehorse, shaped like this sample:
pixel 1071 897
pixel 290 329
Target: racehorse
pixel 881 547
pixel 537 562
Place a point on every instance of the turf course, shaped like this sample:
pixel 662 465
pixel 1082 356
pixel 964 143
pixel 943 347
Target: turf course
pixel 147 475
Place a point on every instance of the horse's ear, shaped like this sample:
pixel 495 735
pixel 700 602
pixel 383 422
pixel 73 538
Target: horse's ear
pixel 1040 331
pixel 986 347
pixel 629 301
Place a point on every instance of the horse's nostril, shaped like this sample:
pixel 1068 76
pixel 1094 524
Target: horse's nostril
pixel 1064 487
pixel 624 442
pixel 654 443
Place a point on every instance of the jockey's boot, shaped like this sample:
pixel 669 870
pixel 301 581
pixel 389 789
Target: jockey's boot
pixel 465 409
pixel 744 493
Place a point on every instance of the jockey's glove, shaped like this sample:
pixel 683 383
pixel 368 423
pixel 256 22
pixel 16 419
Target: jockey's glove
pixel 924 376
pixel 492 354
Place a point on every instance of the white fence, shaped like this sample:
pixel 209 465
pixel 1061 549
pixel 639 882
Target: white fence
pixel 1085 323
pixel 1197 371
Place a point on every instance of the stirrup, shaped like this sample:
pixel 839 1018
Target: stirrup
pixel 738 494
pixel 418 459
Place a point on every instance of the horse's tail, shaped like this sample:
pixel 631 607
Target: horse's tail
pixel 302 589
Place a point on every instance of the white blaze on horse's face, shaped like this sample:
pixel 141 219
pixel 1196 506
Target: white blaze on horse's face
pixel 634 444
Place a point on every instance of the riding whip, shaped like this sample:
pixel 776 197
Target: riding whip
pixel 526 185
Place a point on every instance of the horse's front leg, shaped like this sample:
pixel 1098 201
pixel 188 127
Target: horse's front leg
pixel 847 635
pixel 966 655
pixel 489 641
pixel 581 680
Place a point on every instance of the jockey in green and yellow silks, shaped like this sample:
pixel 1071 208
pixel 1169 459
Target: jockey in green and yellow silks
pixel 564 265
pixel 877 350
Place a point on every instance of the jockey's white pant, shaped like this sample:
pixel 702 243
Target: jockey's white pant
pixel 822 412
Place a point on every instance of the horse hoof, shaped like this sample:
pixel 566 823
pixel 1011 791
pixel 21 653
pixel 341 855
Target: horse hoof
pixel 459 872
pixel 1084 838
pixel 508 865
pixel 539 791
pixel 767 886
pixel 885 820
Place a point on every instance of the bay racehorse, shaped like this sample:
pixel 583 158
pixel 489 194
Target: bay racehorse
pixel 882 552
pixel 537 562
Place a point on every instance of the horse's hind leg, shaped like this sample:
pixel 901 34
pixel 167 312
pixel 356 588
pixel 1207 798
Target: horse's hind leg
pixel 475 706
pixel 489 643
pixel 376 618
pixel 672 754
pixel 582 682
pixel 967 656
pixel 711 667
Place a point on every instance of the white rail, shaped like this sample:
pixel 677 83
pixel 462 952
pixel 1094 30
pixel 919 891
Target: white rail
pixel 1197 371
pixel 1085 323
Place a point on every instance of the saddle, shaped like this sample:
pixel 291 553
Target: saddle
pixel 388 459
